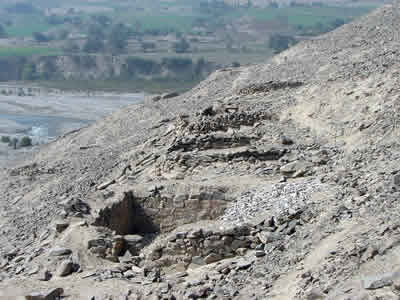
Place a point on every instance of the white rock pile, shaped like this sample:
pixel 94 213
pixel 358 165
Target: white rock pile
pixel 272 199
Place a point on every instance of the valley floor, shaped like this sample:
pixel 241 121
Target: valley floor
pixel 46 114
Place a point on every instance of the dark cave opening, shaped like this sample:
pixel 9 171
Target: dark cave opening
pixel 126 217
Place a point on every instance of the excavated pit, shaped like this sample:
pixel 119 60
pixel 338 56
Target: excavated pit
pixel 126 217
pixel 162 211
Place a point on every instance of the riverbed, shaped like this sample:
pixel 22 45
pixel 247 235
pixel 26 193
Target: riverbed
pixel 44 117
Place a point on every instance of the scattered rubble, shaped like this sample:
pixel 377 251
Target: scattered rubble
pixel 269 86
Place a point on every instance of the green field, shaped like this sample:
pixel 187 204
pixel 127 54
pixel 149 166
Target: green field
pixel 307 16
pixel 304 16
pixel 178 23
pixel 24 26
pixel 19 30
pixel 26 51
pixel 181 16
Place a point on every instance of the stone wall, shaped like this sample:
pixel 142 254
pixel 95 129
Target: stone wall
pixel 162 211
pixel 204 245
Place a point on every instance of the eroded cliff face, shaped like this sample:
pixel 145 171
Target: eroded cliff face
pixel 277 181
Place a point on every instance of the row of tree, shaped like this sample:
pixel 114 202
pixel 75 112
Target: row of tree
pixel 117 44
pixel 3 33
pixel 177 67
pixel 133 67
pixel 280 42
pixel 25 141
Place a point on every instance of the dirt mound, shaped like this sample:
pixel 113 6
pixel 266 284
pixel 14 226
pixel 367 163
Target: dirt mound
pixel 276 181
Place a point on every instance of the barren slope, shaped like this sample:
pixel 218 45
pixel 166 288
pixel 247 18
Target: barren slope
pixel 278 181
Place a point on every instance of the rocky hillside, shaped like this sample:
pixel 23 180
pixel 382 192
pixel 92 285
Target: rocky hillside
pixel 277 181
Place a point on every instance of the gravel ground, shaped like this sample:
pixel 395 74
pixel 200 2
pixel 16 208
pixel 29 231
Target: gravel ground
pixel 273 199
